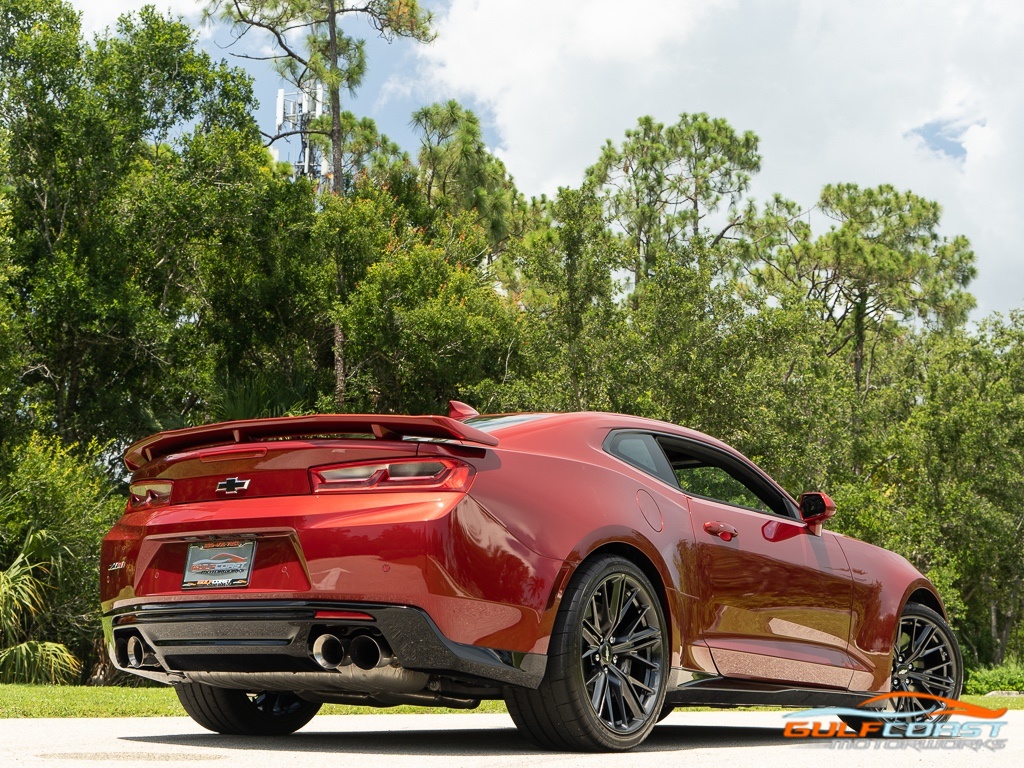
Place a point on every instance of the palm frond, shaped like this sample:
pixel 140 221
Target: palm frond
pixel 21 593
pixel 37 662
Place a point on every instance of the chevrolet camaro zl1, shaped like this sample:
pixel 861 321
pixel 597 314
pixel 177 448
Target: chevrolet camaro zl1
pixel 591 569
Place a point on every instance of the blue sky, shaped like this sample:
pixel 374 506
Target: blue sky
pixel 922 94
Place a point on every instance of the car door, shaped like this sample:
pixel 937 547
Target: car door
pixel 775 599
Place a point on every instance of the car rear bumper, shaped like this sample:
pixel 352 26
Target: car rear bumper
pixel 268 644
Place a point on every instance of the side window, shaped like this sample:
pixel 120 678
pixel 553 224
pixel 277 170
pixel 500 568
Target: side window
pixel 702 471
pixel 715 483
pixel 642 451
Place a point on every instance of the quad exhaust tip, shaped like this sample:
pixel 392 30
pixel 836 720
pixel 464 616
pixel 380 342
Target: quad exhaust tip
pixel 367 653
pixel 363 651
pixel 138 655
pixel 329 651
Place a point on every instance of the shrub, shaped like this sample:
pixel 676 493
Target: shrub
pixel 23 660
pixel 62 490
pixel 1006 677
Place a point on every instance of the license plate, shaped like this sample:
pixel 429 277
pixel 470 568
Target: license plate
pixel 218 564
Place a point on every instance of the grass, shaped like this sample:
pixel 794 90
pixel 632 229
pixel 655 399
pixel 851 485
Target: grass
pixel 81 701
pixel 996 702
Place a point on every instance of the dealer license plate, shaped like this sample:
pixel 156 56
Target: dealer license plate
pixel 218 564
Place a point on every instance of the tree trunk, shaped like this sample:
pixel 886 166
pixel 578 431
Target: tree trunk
pixel 334 89
pixel 339 367
pixel 1001 641
pixel 859 338
pixel 997 649
pixel 338 188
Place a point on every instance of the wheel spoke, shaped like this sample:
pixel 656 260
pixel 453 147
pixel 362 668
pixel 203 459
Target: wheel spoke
pixel 623 610
pixel 918 643
pixel 628 679
pixel 591 634
pixel 644 639
pixel 614 605
pixel 931 680
pixel 642 660
pixel 598 698
pixel 626 693
pixel 595 613
pixel 639 619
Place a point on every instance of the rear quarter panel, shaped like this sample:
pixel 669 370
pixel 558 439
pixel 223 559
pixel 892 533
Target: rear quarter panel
pixel 557 491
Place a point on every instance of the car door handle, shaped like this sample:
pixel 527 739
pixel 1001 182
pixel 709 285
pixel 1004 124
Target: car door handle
pixel 724 531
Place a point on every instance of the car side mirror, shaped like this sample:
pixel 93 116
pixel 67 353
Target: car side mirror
pixel 815 509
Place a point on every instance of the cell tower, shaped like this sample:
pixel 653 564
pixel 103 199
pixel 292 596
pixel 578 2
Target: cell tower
pixel 295 111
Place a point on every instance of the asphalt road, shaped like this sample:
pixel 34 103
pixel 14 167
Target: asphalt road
pixel 719 739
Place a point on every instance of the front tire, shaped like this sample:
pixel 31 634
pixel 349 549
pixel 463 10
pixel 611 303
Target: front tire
pixel 241 713
pixel 608 662
pixel 926 659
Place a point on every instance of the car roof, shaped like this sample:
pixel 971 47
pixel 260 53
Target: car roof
pixel 522 424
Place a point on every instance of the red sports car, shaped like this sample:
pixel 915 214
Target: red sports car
pixel 591 569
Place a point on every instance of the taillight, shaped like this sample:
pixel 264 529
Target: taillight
pixel 149 493
pixel 434 474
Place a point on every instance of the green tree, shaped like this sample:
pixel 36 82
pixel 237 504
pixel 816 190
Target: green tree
pixel 663 183
pixel 325 54
pixel 101 309
pixel 11 340
pixel 882 263
pixel 425 330
pixel 458 173
pixel 565 284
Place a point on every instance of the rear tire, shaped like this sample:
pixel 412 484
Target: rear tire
pixel 607 668
pixel 926 659
pixel 240 713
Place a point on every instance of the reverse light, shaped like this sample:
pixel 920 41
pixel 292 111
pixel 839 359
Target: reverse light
pixel 433 474
pixel 149 493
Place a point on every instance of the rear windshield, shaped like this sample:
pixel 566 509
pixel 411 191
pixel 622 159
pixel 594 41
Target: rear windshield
pixel 491 423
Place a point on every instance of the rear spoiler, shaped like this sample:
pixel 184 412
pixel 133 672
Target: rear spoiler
pixel 382 427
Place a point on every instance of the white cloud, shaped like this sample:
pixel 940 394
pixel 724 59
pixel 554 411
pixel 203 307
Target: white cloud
pixel 97 15
pixel 834 90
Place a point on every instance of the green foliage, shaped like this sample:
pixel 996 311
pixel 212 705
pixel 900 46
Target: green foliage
pixel 458 173
pixel 882 264
pixel 662 184
pixel 22 600
pixel 110 221
pixel 328 56
pixel 63 491
pixel 38 662
pixel 1006 677
pixel 561 275
pixel 11 339
pixel 424 330
pixel 256 396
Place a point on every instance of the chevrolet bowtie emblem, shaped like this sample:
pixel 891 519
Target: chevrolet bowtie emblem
pixel 232 485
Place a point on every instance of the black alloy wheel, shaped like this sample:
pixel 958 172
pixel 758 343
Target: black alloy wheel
pixel 622 653
pixel 608 663
pixel 926 659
